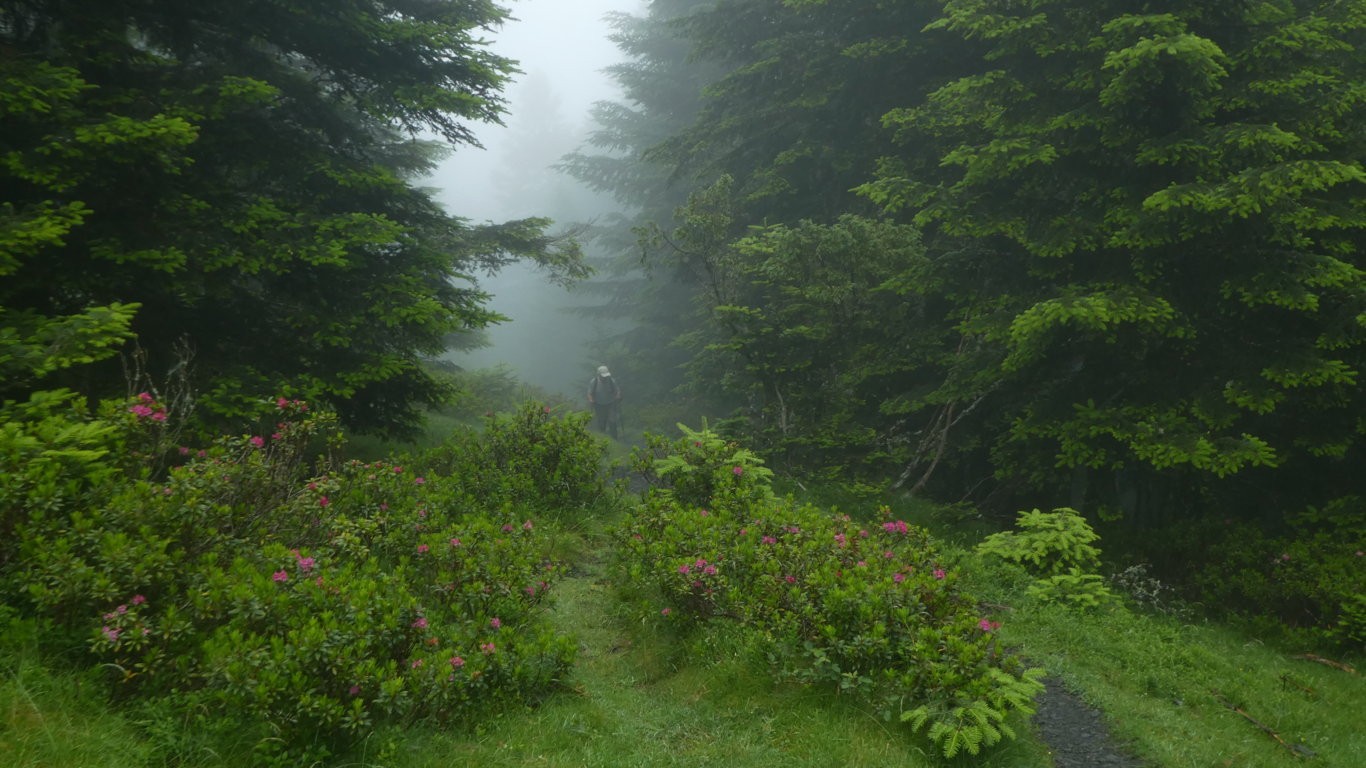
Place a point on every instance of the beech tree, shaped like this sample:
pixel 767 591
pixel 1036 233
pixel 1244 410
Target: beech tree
pixel 243 174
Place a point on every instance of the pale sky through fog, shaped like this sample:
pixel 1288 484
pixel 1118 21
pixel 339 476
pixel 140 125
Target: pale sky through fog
pixel 561 46
pixel 562 43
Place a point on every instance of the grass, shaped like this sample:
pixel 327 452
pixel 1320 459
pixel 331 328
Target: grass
pixel 640 696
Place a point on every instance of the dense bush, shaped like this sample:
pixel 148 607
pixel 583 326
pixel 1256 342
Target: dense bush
pixel 865 609
pixel 309 607
pixel 528 457
pixel 1309 576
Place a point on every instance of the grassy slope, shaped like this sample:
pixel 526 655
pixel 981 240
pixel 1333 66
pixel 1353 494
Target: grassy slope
pixel 639 698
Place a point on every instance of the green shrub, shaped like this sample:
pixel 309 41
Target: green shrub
pixel 1056 549
pixel 867 610
pixel 1309 578
pixel 530 457
pixel 309 609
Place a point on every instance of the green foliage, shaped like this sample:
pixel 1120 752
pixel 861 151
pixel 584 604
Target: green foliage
pixel 1056 548
pixel 306 610
pixel 702 466
pixel 863 609
pixel 1308 577
pixel 530 458
pixel 259 206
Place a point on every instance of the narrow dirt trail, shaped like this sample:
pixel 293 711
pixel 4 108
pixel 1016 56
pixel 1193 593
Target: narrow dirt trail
pixel 1075 732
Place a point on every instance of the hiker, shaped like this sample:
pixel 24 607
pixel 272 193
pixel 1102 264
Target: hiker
pixel 605 397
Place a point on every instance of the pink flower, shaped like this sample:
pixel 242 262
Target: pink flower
pixel 422 549
pixel 507 528
pixel 184 450
pixel 323 501
pixel 398 470
pixel 939 573
pixel 275 436
pixel 141 411
pixel 457 662
pixel 888 554
pixel 495 622
pixel 684 568
pixel 419 481
pixel 455 542
pixel 546 409
pixel 305 564
pixel 862 563
pixel 531 590
pixel 790 579
pixel 768 540
pixel 417 663
pixel 138 600
pixel 145 397
pixel 1285 555
pixel 840 539
pixel 159 416
pixel 420 622
pixel 703 512
pixel 898 577
pixel 710 570
pixel 257 441
pixel 527 526
pixel 744 531
pixel 665 611
pixel 487 648
pixel 354 690
pixel 737 471
pixel 863 534
pixel 280 576
pixel 988 626
pixel 110 633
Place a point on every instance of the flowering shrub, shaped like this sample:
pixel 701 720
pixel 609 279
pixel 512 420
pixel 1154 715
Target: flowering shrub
pixel 530 457
pixel 866 609
pixel 311 608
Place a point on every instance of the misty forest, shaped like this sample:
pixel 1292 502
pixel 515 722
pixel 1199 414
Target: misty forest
pixel 909 382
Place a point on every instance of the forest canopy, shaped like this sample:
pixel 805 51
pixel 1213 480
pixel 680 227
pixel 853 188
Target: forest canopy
pixel 1091 253
pixel 231 185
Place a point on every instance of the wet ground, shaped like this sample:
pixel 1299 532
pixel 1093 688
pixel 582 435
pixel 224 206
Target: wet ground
pixel 1075 732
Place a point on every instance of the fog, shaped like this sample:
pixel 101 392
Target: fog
pixel 561 46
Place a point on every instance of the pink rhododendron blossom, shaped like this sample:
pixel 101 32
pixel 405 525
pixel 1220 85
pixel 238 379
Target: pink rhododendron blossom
pixel 398 470
pixel 790 579
pixel 305 564
pixel 710 570
pixel 184 450
pixel 275 436
pixel 457 662
pixel 685 568
pixel 507 528
pixel 665 611
pixel 422 549
pixel 420 622
pixel 138 600
pixel 141 411
pixel 354 690
pixel 527 526
pixel 737 471
pixel 417 663
pixel 495 622
pixel 145 397
pixel 863 534
pixel 110 633
pixel 862 563
pixel 159 416
pixel 280 576
pixel 988 626
pixel 487 648
pixel 939 573
pixel 257 441
pixel 898 577
pixel 768 540
pixel 455 542
pixel 419 481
